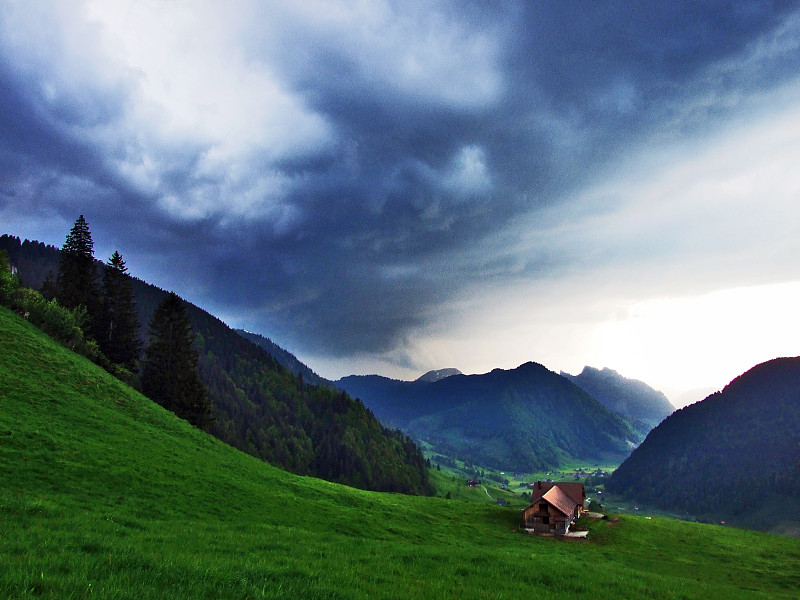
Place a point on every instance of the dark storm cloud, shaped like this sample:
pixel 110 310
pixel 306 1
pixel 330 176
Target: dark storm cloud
pixel 441 126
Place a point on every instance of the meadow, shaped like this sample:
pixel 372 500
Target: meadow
pixel 104 494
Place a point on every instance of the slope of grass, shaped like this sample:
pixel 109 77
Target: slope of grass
pixel 104 494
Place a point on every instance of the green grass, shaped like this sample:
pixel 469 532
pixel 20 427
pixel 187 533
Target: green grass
pixel 105 495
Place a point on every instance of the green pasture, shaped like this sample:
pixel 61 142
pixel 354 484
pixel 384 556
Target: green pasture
pixel 103 494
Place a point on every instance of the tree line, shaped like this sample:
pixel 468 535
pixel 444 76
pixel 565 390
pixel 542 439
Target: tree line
pixel 98 317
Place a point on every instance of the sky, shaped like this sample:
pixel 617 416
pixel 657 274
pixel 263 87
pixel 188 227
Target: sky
pixel 393 187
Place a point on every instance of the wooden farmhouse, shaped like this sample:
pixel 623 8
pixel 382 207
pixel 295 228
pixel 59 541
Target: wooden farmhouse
pixel 554 506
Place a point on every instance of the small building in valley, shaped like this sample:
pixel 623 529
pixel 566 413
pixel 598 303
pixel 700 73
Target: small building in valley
pixel 554 506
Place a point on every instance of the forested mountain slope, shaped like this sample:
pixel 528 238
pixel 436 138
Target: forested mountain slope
pixel 734 456
pixel 265 410
pixel 285 358
pixel 525 419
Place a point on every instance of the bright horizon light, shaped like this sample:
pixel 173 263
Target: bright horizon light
pixel 703 341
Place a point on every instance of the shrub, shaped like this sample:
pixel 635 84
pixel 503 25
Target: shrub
pixel 30 304
pixel 8 284
pixel 59 322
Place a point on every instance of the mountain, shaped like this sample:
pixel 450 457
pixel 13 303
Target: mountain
pixel 285 358
pixel 263 409
pixel 525 419
pixel 734 456
pixel 630 397
pixel 432 376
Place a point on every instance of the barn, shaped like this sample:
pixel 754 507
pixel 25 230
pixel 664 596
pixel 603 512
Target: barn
pixel 554 507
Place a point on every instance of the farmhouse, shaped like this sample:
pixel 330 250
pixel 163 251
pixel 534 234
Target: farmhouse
pixel 554 506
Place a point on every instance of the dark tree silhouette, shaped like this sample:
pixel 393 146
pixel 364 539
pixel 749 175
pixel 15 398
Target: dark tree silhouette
pixel 77 273
pixel 170 375
pixel 118 323
pixel 49 287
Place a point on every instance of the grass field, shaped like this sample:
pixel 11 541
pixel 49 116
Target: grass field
pixel 105 495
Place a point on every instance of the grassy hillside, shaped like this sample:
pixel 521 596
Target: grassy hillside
pixel 261 407
pixel 103 494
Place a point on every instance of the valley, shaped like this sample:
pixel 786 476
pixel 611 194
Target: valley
pixel 105 494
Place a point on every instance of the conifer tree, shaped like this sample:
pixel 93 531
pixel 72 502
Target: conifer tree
pixel 77 273
pixel 169 375
pixel 118 323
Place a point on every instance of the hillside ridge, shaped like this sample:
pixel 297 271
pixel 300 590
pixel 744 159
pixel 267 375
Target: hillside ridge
pixel 706 459
pixel 264 409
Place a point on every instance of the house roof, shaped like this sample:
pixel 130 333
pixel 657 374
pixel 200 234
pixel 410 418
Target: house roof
pixel 559 498
pixel 571 488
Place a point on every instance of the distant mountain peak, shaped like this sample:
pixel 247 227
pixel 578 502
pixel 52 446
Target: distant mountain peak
pixel 436 375
pixel 630 397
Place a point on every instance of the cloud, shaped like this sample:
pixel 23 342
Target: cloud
pixel 340 175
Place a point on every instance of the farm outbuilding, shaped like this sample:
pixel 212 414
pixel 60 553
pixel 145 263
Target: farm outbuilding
pixel 554 507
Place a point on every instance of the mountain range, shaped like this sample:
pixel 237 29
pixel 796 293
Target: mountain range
pixel 104 494
pixel 524 419
pixel 734 456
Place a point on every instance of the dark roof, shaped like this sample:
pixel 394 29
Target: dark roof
pixel 572 489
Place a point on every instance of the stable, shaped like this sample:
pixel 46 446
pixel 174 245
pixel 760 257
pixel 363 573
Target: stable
pixel 554 507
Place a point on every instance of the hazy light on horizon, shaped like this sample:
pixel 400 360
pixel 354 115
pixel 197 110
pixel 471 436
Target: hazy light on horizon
pixel 703 341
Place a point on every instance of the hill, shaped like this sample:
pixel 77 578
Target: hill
pixel 264 409
pixel 630 397
pixel 734 456
pixel 105 494
pixel 524 419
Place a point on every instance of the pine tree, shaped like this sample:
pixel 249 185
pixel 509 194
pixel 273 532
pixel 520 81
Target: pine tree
pixel 77 273
pixel 169 375
pixel 118 323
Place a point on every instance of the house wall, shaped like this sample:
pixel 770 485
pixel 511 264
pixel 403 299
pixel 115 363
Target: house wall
pixel 533 518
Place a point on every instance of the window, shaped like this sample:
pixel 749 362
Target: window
pixel 545 520
pixel 543 507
